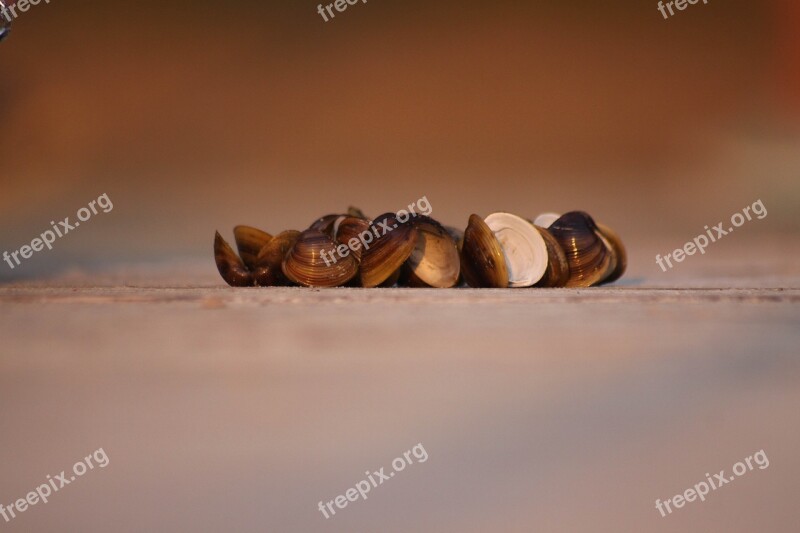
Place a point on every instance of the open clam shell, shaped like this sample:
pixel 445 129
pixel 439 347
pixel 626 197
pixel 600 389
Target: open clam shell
pixel 391 247
pixel 590 258
pixel 313 262
pixel 250 241
pixel 435 261
pixel 230 266
pixel 483 264
pixel 524 248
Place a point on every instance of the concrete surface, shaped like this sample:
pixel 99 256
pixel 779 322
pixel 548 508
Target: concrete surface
pixel 540 410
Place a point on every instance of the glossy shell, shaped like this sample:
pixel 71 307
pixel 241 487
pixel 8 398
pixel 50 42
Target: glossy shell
pixel 313 262
pixel 268 270
pixel 250 241
pixel 230 267
pixel 482 261
pixel 391 247
pixel 348 231
pixel 619 252
pixel 589 258
pixel 557 273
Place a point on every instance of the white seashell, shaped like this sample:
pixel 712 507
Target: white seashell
pixel 523 246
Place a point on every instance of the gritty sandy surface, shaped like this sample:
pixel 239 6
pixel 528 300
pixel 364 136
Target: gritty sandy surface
pixel 549 410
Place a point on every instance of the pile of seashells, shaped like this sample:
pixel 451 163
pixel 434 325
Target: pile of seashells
pixel 501 250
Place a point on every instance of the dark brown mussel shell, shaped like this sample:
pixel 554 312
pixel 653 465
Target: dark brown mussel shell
pixel 392 246
pixel 348 231
pixel 620 254
pixel 557 273
pixel 268 270
pixel 483 264
pixel 314 262
pixel 435 261
pixel 250 241
pixel 229 265
pixel 588 256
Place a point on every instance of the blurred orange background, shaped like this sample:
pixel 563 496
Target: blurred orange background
pixel 196 116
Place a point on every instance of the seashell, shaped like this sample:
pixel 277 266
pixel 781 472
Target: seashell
pixel 229 265
pixel 249 241
pixel 590 258
pixel 502 250
pixel 435 261
pixel 392 280
pixel 407 278
pixel 268 270
pixel 391 247
pixel 313 262
pixel 524 248
pixel 557 273
pixel 347 232
pixel 612 257
pixel 618 249
pixel 326 224
pixel 545 220
pixel 269 277
pixel 482 261
pixel 619 260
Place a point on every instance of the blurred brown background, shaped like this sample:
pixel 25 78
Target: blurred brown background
pixel 196 116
